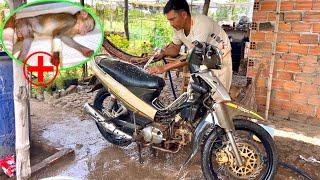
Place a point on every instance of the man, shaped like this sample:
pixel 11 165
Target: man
pixel 188 29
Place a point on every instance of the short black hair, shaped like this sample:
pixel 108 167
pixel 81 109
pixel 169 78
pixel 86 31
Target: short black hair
pixel 176 5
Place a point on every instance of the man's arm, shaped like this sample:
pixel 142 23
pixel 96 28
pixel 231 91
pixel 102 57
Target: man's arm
pixel 171 50
pixel 174 65
pixel 167 67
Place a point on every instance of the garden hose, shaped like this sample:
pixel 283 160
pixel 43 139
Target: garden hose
pixel 171 82
pixel 295 169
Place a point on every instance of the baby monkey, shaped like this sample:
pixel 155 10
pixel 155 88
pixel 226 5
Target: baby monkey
pixel 60 25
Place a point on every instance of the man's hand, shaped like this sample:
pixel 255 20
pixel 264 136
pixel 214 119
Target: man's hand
pixel 159 55
pixel 221 45
pixel 156 70
pixel 87 52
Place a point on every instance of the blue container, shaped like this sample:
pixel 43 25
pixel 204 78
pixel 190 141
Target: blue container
pixel 7 126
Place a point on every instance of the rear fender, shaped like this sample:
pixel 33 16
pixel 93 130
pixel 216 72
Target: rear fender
pixel 95 87
pixel 95 84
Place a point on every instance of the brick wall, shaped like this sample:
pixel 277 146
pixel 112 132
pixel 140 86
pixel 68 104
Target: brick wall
pixel 296 77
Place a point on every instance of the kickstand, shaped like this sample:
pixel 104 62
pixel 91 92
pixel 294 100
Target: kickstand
pixel 153 151
pixel 140 153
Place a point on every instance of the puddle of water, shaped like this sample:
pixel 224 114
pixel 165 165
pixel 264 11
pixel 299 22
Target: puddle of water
pixel 98 159
pixel 83 137
pixel 95 158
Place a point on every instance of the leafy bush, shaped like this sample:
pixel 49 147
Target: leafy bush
pixel 59 81
pixel 2 7
pixel 120 41
pixel 69 74
pixel 147 30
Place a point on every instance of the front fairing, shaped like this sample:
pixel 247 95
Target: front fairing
pixel 237 110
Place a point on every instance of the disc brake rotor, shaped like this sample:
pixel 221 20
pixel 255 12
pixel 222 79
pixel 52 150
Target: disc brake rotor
pixel 251 160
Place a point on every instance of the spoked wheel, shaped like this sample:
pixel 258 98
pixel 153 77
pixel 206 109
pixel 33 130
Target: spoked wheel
pixel 257 150
pixel 103 103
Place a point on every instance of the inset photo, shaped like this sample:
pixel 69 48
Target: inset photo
pixel 68 31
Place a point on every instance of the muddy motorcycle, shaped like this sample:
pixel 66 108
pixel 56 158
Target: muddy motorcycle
pixel 127 109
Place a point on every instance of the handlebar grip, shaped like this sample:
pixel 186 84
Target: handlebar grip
pixel 198 44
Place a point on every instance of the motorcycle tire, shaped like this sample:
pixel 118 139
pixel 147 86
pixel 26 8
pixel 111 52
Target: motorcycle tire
pixel 98 104
pixel 247 126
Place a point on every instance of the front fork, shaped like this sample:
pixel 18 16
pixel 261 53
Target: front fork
pixel 218 117
pixel 223 119
pixel 234 148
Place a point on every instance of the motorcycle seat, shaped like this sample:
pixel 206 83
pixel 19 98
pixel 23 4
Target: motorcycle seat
pixel 130 75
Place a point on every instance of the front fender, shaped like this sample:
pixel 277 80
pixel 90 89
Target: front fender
pixel 236 110
pixel 205 123
pixel 233 110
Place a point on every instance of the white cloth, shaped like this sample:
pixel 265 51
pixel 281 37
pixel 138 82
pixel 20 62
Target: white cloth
pixel 202 28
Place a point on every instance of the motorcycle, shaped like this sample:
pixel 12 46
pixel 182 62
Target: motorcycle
pixel 127 109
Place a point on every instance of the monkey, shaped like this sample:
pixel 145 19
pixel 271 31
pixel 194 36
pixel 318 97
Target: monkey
pixel 63 26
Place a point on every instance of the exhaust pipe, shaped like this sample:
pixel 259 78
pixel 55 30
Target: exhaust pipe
pixel 99 118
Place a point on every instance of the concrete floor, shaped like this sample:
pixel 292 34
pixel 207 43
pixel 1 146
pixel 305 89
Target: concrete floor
pixel 95 158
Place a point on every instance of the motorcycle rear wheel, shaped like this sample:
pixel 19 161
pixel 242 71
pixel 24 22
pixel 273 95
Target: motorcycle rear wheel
pixel 100 103
pixel 217 162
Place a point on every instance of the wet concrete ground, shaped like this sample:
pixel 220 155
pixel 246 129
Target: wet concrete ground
pixel 95 158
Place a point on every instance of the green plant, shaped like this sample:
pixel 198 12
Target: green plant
pixel 40 89
pixel 59 81
pixel 222 14
pixel 225 13
pixel 120 41
pixel 147 30
pixel 65 75
pixel 2 7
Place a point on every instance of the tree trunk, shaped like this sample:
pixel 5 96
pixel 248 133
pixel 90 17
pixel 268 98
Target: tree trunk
pixel 21 109
pixel 84 66
pixel 233 8
pixel 126 18
pixel 206 7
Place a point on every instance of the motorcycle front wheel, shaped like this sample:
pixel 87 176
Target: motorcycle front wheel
pixel 256 147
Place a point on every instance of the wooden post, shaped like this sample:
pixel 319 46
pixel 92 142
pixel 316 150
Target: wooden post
pixel 126 19
pixel 206 6
pixel 84 66
pixel 191 6
pixel 21 109
pixel 271 65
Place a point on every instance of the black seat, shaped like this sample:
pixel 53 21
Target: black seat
pixel 130 75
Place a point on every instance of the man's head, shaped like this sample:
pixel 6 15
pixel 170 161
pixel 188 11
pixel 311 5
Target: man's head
pixel 177 11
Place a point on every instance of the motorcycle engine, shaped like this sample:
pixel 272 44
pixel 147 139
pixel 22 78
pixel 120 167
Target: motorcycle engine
pixel 152 134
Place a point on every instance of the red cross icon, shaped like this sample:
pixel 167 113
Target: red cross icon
pixel 40 69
